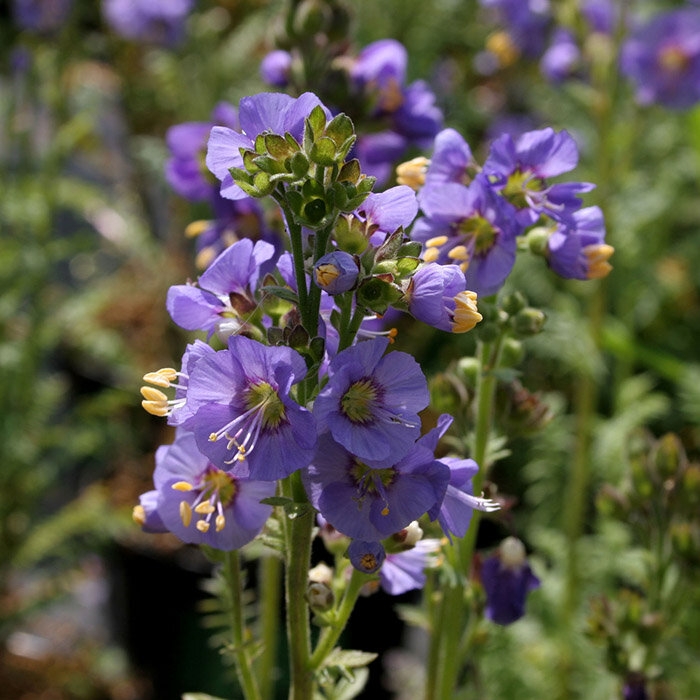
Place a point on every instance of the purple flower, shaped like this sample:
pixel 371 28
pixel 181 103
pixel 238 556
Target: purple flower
pixel 520 167
pixel 438 296
pixel 386 212
pixel 371 401
pixel 579 251
pixel 366 557
pixel 146 514
pixel 635 687
pixel 336 272
pixel 451 159
pixel 266 112
pixel 663 59
pixel 371 500
pixel 187 144
pixel 526 21
pixel 203 504
pixel 405 571
pixel 601 15
pixel 507 579
pixel 159 21
pixel 225 294
pixel 471 226
pixel 41 15
pixel 418 118
pixel 381 68
pixel 156 402
pixel 379 151
pixel 560 59
pixel 243 414
pixel 275 67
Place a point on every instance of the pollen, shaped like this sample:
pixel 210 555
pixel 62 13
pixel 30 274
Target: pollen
pixel 202 526
pixel 213 437
pixel 459 252
pixel 464 266
pixel 368 562
pixel 204 508
pixel 151 394
pixel 412 172
pixel 385 510
pixel 155 408
pixel 436 241
pixel 185 513
pixel 501 45
pixel 431 255
pixel 138 515
pixel 220 523
pixel 466 314
pixel 326 274
pixel 196 228
pixel 597 257
pixel 391 334
pixel 182 486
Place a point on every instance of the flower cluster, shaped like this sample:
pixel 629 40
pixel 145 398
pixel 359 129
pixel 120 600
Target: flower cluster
pixel 473 215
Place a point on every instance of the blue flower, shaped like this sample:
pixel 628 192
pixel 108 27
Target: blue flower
pixel 507 579
pixel 371 401
pixel 405 571
pixel 366 557
pixel 203 504
pixel 275 67
pixel 336 272
pixel 158 21
pixel 243 416
pixel 561 58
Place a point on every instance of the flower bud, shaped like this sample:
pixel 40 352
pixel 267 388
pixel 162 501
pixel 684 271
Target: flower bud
pixel 513 352
pixel 528 321
pixel 366 557
pixel 336 272
pixel 409 536
pixel 468 370
pixel 669 459
pixel 321 573
pixel 320 596
pixel 513 302
pixel 349 234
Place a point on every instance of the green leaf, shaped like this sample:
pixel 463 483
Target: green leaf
pixel 276 501
pixel 406 266
pixel 317 120
pixel 282 292
pixel 340 129
pixel 349 658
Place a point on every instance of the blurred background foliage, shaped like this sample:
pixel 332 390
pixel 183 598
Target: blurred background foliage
pixel 91 239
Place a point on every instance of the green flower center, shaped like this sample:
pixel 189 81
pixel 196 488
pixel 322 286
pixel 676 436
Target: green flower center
pixel 264 397
pixel 357 401
pixel 362 474
pixel 517 185
pixel 219 482
pixel 480 231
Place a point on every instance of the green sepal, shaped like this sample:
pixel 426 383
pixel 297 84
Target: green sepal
pixel 283 177
pixel 276 501
pixel 260 148
pixel 312 188
pixel 292 141
pixel 344 149
pixel 299 164
pixel 317 346
pixel 391 245
pixel 340 197
pixel 315 210
pixel 323 152
pixel 269 165
pixel 250 190
pixel 365 185
pixel 262 183
pixel 240 175
pixel 340 129
pixel 298 338
pixel 278 147
pixel 376 294
pixel 275 335
pixel 249 160
pixel 295 201
pixel 282 292
pixel 317 120
pixel 411 249
pixel 406 266
pixel 349 235
pixel 350 172
pixel 356 201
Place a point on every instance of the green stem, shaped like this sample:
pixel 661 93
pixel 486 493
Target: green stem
pixel 270 579
pixel 332 633
pixel 298 558
pixel 234 581
pixel 347 335
pixel 436 615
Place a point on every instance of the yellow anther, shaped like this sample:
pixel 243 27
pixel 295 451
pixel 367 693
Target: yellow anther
pixel 501 45
pixel 459 252
pixel 436 241
pixel 151 394
pixel 182 486
pixel 393 332
pixel 368 562
pixel 168 373
pixel 598 256
pixel 202 525
pixel 412 172
pixel 326 274
pixel 204 508
pixel 196 228
pixel 156 378
pixel 138 515
pixel 385 511
pixel 240 457
pixel 241 449
pixel 464 266
pixel 204 257
pixel 220 523
pixel 431 255
pixel 155 408
pixel 213 437
pixel 185 513
pixel 466 314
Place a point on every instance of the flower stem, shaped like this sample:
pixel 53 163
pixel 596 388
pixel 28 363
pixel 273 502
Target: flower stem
pixel 347 334
pixel 331 634
pixel 270 580
pixel 234 581
pixel 298 557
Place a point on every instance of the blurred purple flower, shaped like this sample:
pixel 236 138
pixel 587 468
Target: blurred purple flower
pixel 405 571
pixel 158 21
pixel 527 22
pixel 275 67
pixel 561 58
pixel 663 59
pixel 41 15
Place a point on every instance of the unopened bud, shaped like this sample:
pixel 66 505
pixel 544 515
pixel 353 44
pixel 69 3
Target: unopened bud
pixel 670 458
pixel 320 596
pixel 321 573
pixel 409 536
pixel 513 352
pixel 447 393
pixel 528 321
pixel 512 553
pixel 513 302
pixel 468 370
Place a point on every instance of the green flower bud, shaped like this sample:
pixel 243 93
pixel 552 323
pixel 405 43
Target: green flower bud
pixel 468 369
pixel 320 597
pixel 670 459
pixel 447 393
pixel 528 321
pixel 513 352
pixel 537 239
pixel 513 302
